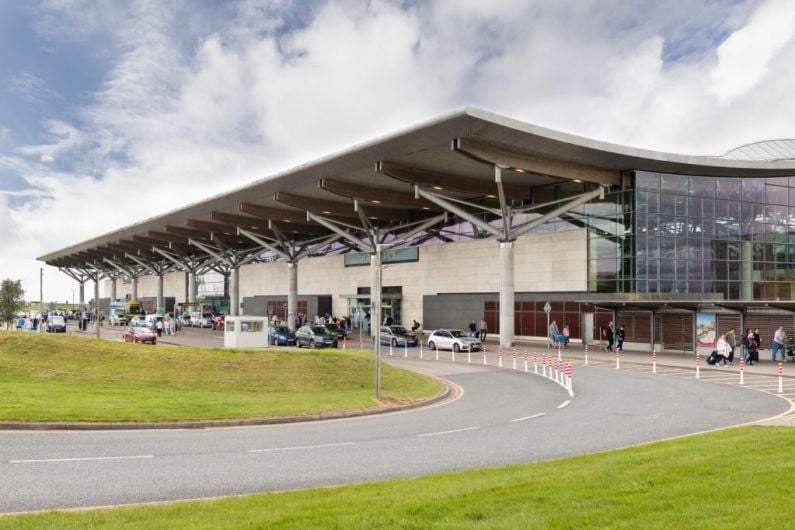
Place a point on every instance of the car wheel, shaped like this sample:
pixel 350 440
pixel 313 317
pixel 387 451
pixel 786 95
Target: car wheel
pixel 431 345
pixel 456 348
pixel 311 344
pixel 394 343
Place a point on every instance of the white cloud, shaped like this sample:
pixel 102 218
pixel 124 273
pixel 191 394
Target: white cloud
pixel 744 58
pixel 193 105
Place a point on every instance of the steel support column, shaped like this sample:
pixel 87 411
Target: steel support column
pixel 82 293
pixel 507 294
pixel 113 289
pixel 193 287
pixel 375 318
pixel 292 294
pixel 135 289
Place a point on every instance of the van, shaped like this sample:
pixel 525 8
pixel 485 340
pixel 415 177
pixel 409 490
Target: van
pixel 150 321
pixel 201 320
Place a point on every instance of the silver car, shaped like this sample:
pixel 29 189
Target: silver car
pixel 453 339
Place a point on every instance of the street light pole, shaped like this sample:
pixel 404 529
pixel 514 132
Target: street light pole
pixel 375 318
pixel 41 292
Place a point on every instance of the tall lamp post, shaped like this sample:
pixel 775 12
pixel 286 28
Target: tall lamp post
pixel 41 292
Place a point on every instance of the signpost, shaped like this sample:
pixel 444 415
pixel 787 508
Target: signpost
pixel 547 310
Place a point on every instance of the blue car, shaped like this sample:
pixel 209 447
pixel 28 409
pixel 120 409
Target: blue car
pixel 281 336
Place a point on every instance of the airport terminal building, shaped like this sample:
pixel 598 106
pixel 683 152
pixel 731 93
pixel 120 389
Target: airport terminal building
pixel 475 215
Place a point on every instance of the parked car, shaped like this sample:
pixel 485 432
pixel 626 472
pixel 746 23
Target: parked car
pixel 138 321
pixel 336 330
pixel 56 324
pixel 281 335
pixel 315 337
pixel 453 339
pixel 397 336
pixel 139 334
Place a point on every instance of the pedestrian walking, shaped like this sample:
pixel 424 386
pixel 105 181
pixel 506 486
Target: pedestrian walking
pixel 731 340
pixel 566 335
pixel 620 334
pixel 779 338
pixel 473 329
pixel 554 332
pixel 610 332
pixel 482 328
pixel 722 347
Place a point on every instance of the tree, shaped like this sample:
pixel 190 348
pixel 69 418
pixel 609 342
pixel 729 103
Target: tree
pixel 11 300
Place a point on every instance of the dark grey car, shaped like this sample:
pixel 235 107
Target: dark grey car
pixel 397 336
pixel 315 337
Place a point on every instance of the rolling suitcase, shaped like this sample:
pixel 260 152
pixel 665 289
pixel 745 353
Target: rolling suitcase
pixel 713 358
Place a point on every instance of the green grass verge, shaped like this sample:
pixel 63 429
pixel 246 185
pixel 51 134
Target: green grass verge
pixel 739 478
pixel 65 378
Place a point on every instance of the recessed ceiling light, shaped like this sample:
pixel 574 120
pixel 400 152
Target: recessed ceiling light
pixel 375 202
pixel 519 170
pixel 438 188
pixel 491 196
pixel 326 212
pixel 577 180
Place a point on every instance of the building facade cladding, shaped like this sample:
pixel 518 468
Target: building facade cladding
pixel 732 237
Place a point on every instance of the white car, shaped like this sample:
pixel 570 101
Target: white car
pixel 453 339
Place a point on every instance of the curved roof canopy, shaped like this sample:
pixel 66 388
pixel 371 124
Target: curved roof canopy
pixel 376 182
pixel 766 150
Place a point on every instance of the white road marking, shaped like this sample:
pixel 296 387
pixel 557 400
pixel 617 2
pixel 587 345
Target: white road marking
pixel 447 432
pixel 531 417
pixel 564 403
pixel 79 459
pixel 299 447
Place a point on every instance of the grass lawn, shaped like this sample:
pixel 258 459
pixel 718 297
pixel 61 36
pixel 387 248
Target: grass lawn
pixel 64 378
pixel 738 478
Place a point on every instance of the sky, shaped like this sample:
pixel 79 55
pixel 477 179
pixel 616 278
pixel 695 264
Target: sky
pixel 113 112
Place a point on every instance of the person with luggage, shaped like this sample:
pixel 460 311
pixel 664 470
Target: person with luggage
pixel 751 347
pixel 722 347
pixel 779 338
pixel 566 335
pixel 473 329
pixel 482 329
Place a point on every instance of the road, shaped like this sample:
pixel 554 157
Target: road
pixel 500 417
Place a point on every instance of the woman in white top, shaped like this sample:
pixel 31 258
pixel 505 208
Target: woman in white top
pixel 723 350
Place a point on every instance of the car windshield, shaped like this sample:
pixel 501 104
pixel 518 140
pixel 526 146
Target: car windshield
pixel 332 326
pixel 399 330
pixel 281 329
pixel 207 315
pixel 144 331
pixel 319 329
pixel 458 333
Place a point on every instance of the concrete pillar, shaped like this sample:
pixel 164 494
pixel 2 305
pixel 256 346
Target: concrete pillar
pixel 186 297
pixel 82 293
pixel 193 288
pixel 134 289
pixel 292 294
pixel 234 292
pixel 160 300
pixel 746 270
pixel 506 294
pixel 112 289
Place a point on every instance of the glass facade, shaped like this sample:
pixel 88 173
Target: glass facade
pixel 733 237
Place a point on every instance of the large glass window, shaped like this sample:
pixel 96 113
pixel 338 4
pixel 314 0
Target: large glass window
pixel 709 235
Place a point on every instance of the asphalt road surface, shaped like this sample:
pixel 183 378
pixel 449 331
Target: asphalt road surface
pixel 500 417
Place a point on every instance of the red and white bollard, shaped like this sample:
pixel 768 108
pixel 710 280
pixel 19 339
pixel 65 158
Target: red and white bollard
pixel 618 359
pixel 344 342
pixel 469 353
pixel 525 360
pixel 742 370
pixel 560 353
pixel 544 364
pixel 499 354
pixel 513 354
pixel 535 362
pixel 452 354
pixel 568 377
pixel 484 353
pixel 780 378
pixel 586 355
pixel 698 366
pixel 406 348
pixel 420 349
pixel 437 351
pixel 653 362
pixel 390 349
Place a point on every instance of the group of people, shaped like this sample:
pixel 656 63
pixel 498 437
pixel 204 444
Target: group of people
pixel 479 329
pixel 614 337
pixel 558 336
pixel 751 343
